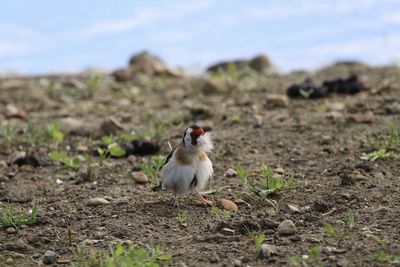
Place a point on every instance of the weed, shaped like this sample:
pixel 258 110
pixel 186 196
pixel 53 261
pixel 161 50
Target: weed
pixel 350 221
pixel 384 257
pixel 258 241
pixel 92 84
pixel 242 173
pixel 313 260
pixel 8 132
pixel 220 213
pixel 329 229
pixel 62 156
pixel 123 256
pixel 384 147
pixel 182 217
pixel 372 233
pixel 53 132
pixel 153 166
pixel 34 135
pixel 10 217
pixel 234 118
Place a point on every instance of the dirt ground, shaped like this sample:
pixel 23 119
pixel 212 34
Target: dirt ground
pixel 317 142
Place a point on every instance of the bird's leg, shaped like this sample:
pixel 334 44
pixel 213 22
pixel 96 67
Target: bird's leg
pixel 202 200
pixel 176 203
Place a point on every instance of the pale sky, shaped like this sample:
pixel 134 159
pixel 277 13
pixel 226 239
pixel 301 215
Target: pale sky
pixel 47 35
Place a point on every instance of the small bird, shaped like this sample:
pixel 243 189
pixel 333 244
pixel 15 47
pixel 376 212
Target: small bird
pixel 187 167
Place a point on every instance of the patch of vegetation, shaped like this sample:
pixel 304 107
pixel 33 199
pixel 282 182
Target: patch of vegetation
pixel 220 213
pixel 373 233
pixel 153 166
pixel 385 257
pixel 182 217
pixel 234 118
pixel 151 133
pixel 9 216
pixel 258 241
pixel 112 149
pixel 92 84
pixel 265 182
pixel 124 256
pixel 311 259
pixel 8 132
pixel 64 158
pixel 53 132
pixel 384 146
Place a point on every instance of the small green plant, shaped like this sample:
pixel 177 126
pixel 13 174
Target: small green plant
pixel 124 256
pixel 329 229
pixel 182 217
pixel 153 166
pixel 10 217
pixel 53 132
pixel 92 84
pixel 242 173
pixel 8 132
pixel 384 146
pixel 258 241
pixel 384 257
pixel 234 118
pixel 62 156
pixel 112 149
pixel 313 260
pixel 116 150
pixel 220 213
pixel 33 134
pixel 371 233
pixel 350 221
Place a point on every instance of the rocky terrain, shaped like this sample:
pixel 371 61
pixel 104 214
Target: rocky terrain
pixel 307 169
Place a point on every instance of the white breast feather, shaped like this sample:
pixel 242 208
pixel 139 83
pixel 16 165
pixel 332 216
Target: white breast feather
pixel 178 177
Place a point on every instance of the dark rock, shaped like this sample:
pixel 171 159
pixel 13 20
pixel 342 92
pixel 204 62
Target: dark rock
pixel 346 179
pixel 269 224
pixel 307 89
pixel 22 158
pixel 287 227
pixel 351 85
pixel 49 257
pixel 321 205
pixel 260 63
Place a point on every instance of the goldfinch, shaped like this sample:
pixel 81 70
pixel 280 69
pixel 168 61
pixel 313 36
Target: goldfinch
pixel 187 167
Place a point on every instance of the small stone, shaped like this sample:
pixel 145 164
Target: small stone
pixel 132 159
pixel 110 126
pixel 96 201
pixel 345 196
pixel 287 227
pixel 89 173
pixel 237 263
pixel 11 230
pixel 335 106
pixel 276 100
pixel 258 121
pixel 358 176
pixel 49 257
pixel 214 258
pixel 59 181
pixel 293 208
pixel 9 261
pixel 220 85
pixel 279 170
pixel 74 126
pixel 367 117
pixel 11 111
pixel 140 177
pixel 326 139
pixel 266 251
pixel 321 205
pixel 227 204
pixel 228 231
pixel 230 173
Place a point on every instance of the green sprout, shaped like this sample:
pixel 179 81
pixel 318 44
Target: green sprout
pixel 10 217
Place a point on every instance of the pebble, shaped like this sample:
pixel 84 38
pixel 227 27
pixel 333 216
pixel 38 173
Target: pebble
pixel 230 173
pixel 237 263
pixel 293 208
pixel 321 205
pixel 264 252
pixel 214 258
pixel 140 177
pixel 110 126
pixel 49 257
pixel 227 204
pixel 277 100
pixel 279 170
pixel 11 230
pixel 287 227
pixel 9 261
pixel 96 201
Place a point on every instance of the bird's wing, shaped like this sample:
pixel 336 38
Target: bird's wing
pixel 169 156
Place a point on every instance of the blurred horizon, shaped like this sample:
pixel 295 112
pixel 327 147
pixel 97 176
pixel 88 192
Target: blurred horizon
pixel 76 35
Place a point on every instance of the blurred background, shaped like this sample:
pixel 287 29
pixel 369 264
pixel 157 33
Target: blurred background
pixel 71 36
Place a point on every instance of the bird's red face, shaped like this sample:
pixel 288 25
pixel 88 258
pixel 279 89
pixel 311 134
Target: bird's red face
pixel 195 134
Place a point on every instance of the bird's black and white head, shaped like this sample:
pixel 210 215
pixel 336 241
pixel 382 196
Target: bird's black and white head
pixel 195 137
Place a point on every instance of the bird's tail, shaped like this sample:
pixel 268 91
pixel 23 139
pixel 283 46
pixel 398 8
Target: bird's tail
pixel 157 188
